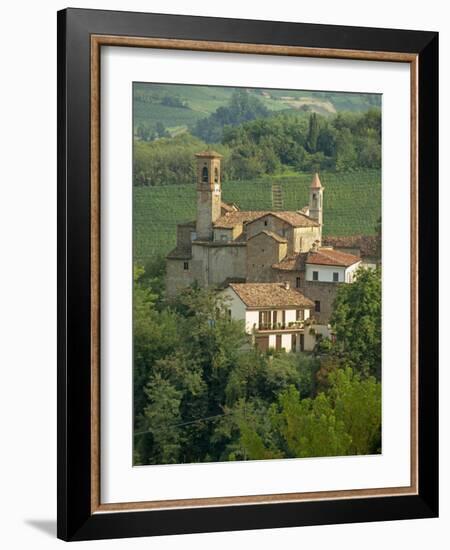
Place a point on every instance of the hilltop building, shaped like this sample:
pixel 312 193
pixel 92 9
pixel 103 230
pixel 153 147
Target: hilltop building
pixel 275 258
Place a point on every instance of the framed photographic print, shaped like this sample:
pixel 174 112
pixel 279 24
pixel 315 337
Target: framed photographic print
pixel 247 274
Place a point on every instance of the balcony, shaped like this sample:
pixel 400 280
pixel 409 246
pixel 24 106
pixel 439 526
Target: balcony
pixel 279 327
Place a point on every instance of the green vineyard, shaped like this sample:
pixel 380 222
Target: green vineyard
pixel 352 206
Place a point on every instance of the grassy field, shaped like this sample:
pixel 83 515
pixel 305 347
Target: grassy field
pixel 352 205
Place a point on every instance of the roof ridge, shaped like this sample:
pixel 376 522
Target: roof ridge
pixel 271 234
pixel 273 294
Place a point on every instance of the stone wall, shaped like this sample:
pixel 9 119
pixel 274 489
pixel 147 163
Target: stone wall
pixel 230 234
pixel 223 235
pixel 262 252
pixel 325 293
pixel 177 277
pixel 227 262
pixel 295 278
pixel 213 263
pixel 184 231
pixel 267 223
pixel 208 210
pixel 304 237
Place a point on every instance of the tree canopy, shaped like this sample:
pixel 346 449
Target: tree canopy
pixel 203 393
pixel 356 320
pixel 242 108
pixel 255 142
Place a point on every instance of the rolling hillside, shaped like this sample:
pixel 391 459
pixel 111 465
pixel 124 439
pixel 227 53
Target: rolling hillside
pixel 200 101
pixel 351 205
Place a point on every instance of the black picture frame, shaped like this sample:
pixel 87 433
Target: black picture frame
pixel 75 518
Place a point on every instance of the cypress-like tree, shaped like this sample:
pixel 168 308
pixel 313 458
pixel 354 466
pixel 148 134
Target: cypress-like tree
pixel 313 133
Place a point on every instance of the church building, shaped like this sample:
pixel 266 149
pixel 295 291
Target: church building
pixel 226 247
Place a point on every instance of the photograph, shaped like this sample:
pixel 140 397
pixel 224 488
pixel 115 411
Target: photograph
pixel 257 273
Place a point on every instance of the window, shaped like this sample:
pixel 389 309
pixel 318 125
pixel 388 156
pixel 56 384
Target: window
pixel 317 306
pixel 205 174
pixel 224 238
pixel 216 175
pixel 264 319
pixel 300 315
pixel 315 275
pixel 298 282
pixel 193 235
pixel 335 277
pixel 265 222
pixel 186 266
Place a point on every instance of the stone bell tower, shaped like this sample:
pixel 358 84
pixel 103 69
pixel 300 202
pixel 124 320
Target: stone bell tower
pixel 316 200
pixel 209 193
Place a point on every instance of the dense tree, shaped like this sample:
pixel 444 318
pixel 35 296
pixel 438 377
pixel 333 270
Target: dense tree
pixel 313 133
pixel 357 404
pixel 161 417
pixel 309 427
pixel 167 161
pixel 155 334
pixel 161 130
pixel 343 421
pixel 263 145
pixel 203 393
pixel 243 107
pixel 346 156
pixel 356 320
pixel 145 132
pixel 379 228
pixel 172 101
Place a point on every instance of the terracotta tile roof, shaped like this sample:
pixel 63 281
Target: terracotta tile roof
pixel 271 234
pixel 230 280
pixel 295 262
pixel 367 244
pixel 179 253
pixel 230 219
pixel 296 219
pixel 328 256
pixel 226 207
pixel 209 154
pixel 270 295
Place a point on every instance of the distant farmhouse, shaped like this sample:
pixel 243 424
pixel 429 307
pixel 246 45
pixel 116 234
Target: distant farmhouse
pixel 278 275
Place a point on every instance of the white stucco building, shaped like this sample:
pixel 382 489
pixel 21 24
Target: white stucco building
pixel 326 265
pixel 276 315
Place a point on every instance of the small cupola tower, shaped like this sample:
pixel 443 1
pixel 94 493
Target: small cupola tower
pixel 209 193
pixel 316 199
